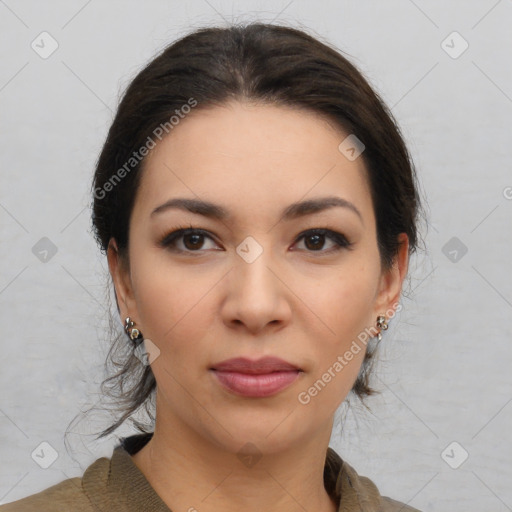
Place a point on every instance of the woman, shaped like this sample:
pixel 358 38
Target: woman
pixel 257 206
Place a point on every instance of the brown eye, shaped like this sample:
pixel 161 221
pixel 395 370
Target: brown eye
pixel 192 240
pixel 185 240
pixel 314 240
pixel 195 240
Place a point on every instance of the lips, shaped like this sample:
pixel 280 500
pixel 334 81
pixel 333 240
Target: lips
pixel 264 365
pixel 256 379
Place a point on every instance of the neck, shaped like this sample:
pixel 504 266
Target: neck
pixel 189 473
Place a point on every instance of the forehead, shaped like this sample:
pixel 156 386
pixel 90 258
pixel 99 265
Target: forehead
pixel 252 157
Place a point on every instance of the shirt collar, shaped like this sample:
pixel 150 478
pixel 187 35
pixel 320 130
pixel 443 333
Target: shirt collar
pixel 127 485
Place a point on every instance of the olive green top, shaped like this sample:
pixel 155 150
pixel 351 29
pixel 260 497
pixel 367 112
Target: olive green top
pixel 117 485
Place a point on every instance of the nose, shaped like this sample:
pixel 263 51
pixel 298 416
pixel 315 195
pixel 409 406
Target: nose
pixel 257 297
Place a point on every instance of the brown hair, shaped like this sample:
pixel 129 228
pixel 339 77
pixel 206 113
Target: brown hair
pixel 260 63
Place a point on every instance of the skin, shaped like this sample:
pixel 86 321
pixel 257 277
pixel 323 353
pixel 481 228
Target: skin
pixel 300 300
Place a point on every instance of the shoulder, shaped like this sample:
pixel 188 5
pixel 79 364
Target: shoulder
pixel 358 492
pixel 390 505
pixel 368 492
pixel 66 496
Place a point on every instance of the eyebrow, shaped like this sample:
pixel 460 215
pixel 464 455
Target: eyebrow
pixel 293 211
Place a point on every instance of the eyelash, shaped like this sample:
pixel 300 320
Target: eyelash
pixel 169 240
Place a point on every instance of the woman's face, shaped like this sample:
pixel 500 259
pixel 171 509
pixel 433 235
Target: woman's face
pixel 256 282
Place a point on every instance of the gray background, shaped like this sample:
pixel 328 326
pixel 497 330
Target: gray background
pixel 445 365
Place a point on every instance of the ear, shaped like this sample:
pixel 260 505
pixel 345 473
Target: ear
pixel 122 282
pixel 391 281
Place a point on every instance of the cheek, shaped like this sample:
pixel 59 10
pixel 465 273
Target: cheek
pixel 344 302
pixel 172 304
pixel 346 306
pixel 356 295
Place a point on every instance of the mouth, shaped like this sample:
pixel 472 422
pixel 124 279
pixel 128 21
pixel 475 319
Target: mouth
pixel 256 385
pixel 264 365
pixel 258 379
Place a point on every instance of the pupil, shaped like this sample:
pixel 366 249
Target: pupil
pixel 316 238
pixel 196 240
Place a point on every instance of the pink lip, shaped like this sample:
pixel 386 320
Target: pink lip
pixel 264 365
pixel 260 378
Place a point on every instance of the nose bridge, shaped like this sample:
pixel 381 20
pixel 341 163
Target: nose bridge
pixel 255 296
pixel 252 273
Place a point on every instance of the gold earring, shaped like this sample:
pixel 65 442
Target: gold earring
pixel 381 324
pixel 134 334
